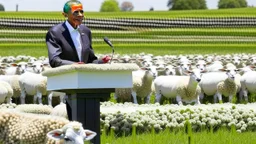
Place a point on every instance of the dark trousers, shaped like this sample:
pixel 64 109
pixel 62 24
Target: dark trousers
pixel 68 107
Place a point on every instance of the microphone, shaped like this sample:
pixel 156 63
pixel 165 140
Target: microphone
pixel 108 41
pixel 110 44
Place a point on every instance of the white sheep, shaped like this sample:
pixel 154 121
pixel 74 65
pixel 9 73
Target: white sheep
pixel 56 94
pixel 60 110
pixel 6 92
pixel 209 83
pixel 72 133
pixel 13 80
pixel 32 84
pixel 184 88
pixel 182 67
pixel 19 127
pixel 17 69
pixel 228 87
pixel 142 81
pixel 36 67
pixel 214 66
pixel 248 84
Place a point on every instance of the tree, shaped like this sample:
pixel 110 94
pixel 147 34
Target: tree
pixel 186 4
pixel 2 7
pixel 127 6
pixel 151 9
pixel 109 6
pixel 232 4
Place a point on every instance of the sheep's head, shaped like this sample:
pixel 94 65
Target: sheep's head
pixel 72 132
pixel 170 70
pixel 195 74
pixel 38 67
pixel 21 67
pixel 231 72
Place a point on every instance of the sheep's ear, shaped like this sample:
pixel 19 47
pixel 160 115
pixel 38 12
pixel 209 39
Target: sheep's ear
pixel 144 68
pixel 222 69
pixel 89 135
pixel 55 134
pixel 14 64
pixel 208 63
pixel 252 66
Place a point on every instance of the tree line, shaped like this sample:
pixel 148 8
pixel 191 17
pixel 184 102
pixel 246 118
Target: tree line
pixel 113 5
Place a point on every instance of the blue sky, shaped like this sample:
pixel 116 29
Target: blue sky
pixel 92 5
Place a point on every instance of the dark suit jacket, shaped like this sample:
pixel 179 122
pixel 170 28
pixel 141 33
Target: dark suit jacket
pixel 61 49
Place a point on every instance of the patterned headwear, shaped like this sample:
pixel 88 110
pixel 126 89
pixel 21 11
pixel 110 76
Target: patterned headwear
pixel 73 6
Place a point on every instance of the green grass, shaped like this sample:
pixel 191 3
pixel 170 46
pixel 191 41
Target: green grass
pixel 242 12
pixel 39 49
pixel 142 33
pixel 165 137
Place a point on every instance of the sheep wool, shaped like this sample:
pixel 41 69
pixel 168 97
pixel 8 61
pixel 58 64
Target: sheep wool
pixel 18 127
pixel 35 108
pixel 142 84
pixel 6 92
pixel 123 94
pixel 60 110
pixel 189 93
pixel 13 80
pixel 227 87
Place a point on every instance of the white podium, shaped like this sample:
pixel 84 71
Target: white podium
pixel 86 84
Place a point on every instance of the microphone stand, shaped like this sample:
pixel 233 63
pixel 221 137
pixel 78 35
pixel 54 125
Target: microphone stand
pixel 113 51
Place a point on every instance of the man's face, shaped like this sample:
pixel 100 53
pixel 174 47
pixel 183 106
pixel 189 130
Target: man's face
pixel 76 15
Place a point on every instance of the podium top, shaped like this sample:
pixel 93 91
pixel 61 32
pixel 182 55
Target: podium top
pixel 90 68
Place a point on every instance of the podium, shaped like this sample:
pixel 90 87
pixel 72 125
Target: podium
pixel 86 84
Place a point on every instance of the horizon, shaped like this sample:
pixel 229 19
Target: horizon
pixel 94 6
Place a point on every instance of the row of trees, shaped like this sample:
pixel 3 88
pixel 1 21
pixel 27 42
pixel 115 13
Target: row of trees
pixel 113 6
pixel 1 7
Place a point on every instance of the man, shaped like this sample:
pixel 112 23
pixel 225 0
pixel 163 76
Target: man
pixel 70 42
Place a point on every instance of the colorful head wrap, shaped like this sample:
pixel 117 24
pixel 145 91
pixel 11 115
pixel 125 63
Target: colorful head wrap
pixel 73 6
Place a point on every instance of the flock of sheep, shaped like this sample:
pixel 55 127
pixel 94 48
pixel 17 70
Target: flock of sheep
pixel 186 78
pixel 190 78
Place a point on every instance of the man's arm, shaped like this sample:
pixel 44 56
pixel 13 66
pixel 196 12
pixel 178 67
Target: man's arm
pixel 54 50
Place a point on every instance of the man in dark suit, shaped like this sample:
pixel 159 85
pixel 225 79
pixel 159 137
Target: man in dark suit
pixel 70 42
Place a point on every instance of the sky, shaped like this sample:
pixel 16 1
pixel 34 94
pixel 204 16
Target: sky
pixel 93 5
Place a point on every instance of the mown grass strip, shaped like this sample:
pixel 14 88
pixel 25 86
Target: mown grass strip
pixel 156 49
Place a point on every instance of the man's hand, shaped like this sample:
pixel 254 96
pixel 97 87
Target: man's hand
pixel 106 59
pixel 79 63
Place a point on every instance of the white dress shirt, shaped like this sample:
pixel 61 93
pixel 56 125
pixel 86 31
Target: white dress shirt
pixel 75 35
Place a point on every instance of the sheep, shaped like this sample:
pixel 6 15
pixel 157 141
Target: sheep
pixel 6 92
pixel 182 67
pixel 71 133
pixel 3 67
pixel 17 69
pixel 228 87
pixel 19 127
pixel 248 81
pixel 54 94
pixel 32 84
pixel 142 81
pixel 60 110
pixel 36 67
pixel 184 88
pixel 13 80
pixel 210 81
pixel 214 67
pixel 200 64
pixel 170 70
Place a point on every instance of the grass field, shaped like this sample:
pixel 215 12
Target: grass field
pixel 242 12
pixel 165 137
pixel 38 50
